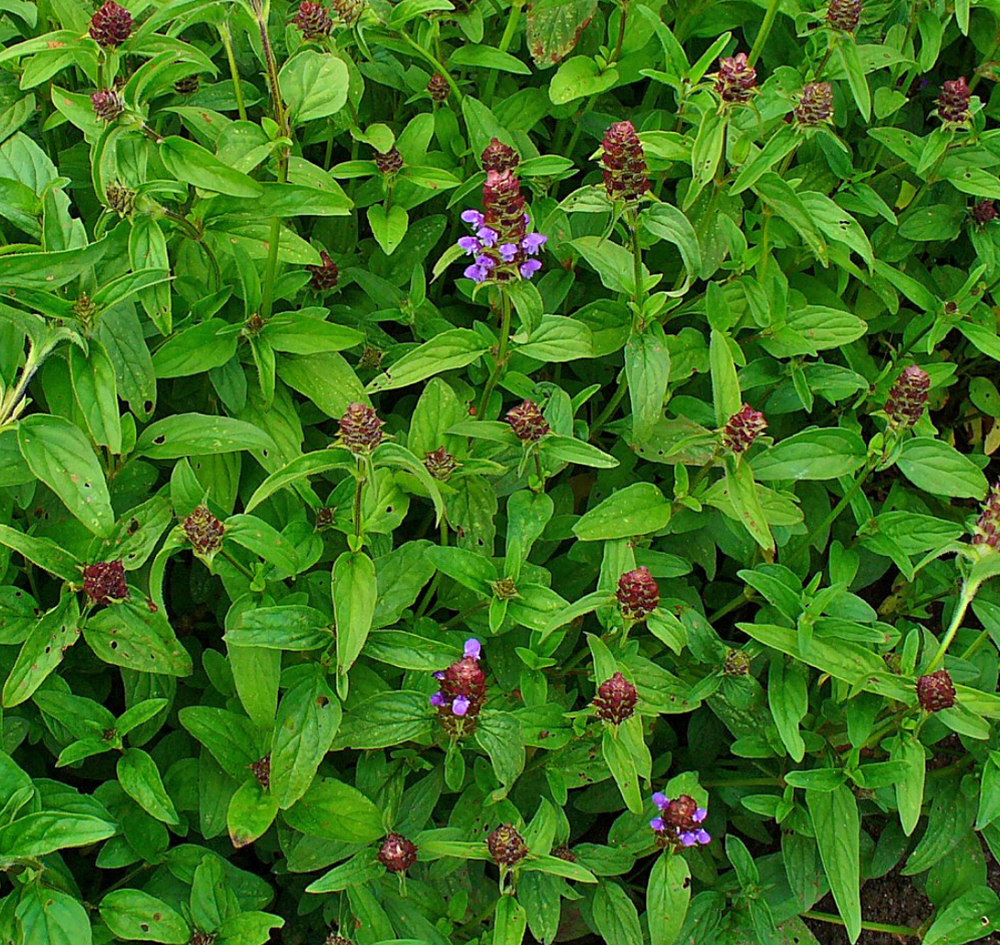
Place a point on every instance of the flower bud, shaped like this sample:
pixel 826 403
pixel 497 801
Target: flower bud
pixel 815 104
pixel 907 397
pixel 736 80
pixel 625 176
pixel 504 589
pixel 389 163
pixel 506 846
pixel 121 199
pixel 360 428
pixel 844 15
pixel 440 463
pixel 107 104
pixel 204 531
pixel 742 428
pixel 111 25
pixel 527 422
pixel 348 11
pixel 261 769
pixel 463 687
pixel 984 212
pixel 438 88
pixel 499 157
pixel 85 309
pixel 987 527
pixel 104 582
pixel 397 854
pixel 324 276
pixel 188 85
pixel 313 21
pixel 953 102
pixel 736 663
pixel 564 853
pixel 638 593
pixel 936 691
pixel 615 700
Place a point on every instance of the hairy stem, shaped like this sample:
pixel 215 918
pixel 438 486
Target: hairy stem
pixel 501 364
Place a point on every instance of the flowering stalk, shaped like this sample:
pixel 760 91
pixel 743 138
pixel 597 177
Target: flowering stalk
pixel 234 71
pixel 501 363
pixel 765 30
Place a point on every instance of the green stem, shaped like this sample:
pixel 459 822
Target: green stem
pixel 969 589
pixel 436 63
pixel 765 31
pixel 9 405
pixel 359 493
pixel 227 42
pixel 611 406
pixel 640 283
pixel 508 37
pixel 464 614
pixel 501 364
pixel 621 33
pixel 870 926
pixel 236 563
pixel 735 604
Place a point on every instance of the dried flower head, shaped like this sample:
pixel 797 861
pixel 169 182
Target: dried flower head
pixel 953 102
pixel 324 518
pixel 987 527
pixel 188 85
pixel 936 691
pixel 324 276
pixel 504 589
pixel 499 157
pixel 199 937
pixel 736 80
pixel 389 163
pixel 638 593
pixel 111 25
pixel 313 21
pixel 506 846
pixel 463 686
pixel 527 422
pixel 615 700
pixel 908 396
pixel 742 428
pixel 348 11
pixel 679 823
pixel 625 173
pixel 204 531
pixel 85 309
pixel 121 199
pixel 397 854
pixel 261 769
pixel 815 104
pixel 360 428
pixel 438 88
pixel 440 463
pixel 844 15
pixel 564 853
pixel 736 663
pixel 335 938
pixel 107 104
pixel 371 358
pixel 984 212
pixel 104 582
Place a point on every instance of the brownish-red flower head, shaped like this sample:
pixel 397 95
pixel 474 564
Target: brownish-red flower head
pixel 736 79
pixel 313 21
pixel 615 700
pixel 261 769
pixel 953 102
pixel 499 157
pixel 844 15
pixel 742 428
pixel 107 104
pixel 397 854
pixel 111 25
pixel 360 428
pixel 204 531
pixel 440 463
pixel 815 104
pixel 987 527
pixel 324 276
pixel 104 582
pixel 438 88
pixel 638 593
pixel 936 691
pixel 506 846
pixel 391 162
pixel 908 396
pixel 625 173
pixel 527 422
pixel 984 212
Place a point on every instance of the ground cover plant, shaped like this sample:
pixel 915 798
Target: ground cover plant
pixel 477 471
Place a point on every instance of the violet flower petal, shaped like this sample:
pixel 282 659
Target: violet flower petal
pixel 699 815
pixel 460 705
pixel 437 699
pixel 657 823
pixel 473 648
pixel 470 244
pixel 660 800
pixel 473 218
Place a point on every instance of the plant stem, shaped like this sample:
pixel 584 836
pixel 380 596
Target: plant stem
pixel 501 364
pixel 359 492
pixel 611 406
pixel 870 926
pixel 640 282
pixel 436 63
pixel 236 563
pixel 508 37
pixel 969 589
pixel 621 32
pixel 227 42
pixel 765 31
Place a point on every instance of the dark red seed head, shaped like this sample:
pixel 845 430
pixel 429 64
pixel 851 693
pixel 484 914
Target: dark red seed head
pixel 202 938
pixel 506 846
pixel 499 157
pixel 440 463
pixel 742 429
pixel 360 428
pixel 335 938
pixel 324 276
pixel 527 422
pixel 815 104
pixel 987 527
pixel 107 104
pixel 908 396
pixel 121 199
pixel 204 531
pixel 348 11
pixel 615 700
pixel 844 15
pixel 936 691
pixel 467 680
pixel 397 854
pixel 111 25
pixel 625 172
pixel 389 163
pixel 188 85
pixel 564 853
pixel 953 102
pixel 313 21
pixel 104 582
pixel 736 663
pixel 736 79
pixel 984 212
pixel 638 593
pixel 261 769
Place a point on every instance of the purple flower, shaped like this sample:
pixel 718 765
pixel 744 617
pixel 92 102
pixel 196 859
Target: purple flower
pixel 657 823
pixel 439 674
pixel 488 236
pixel 473 218
pixel 529 267
pixel 470 244
pixel 533 242
pixel 473 649
pixel 437 699
pixel 507 252
pixel 460 705
pixel 479 271
pixel 679 823
pixel 699 815
pixel 689 838
pixel 660 800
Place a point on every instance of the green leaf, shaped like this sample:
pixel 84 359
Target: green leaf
pixel 388 228
pixel 191 163
pixel 812 454
pixel 48 831
pixel 140 779
pixel 565 449
pixel 44 552
pixel 783 200
pixel 231 738
pixel 969 918
pixel 615 915
pixel 262 539
pixel 202 347
pixel 308 719
pixel 638 509
pixel 837 827
pixel 499 735
pixel 312 464
pixel 613 263
pixel 556 339
pixel 940 469
pixel 137 916
pixel 445 352
pixel 580 77
pixel 130 634
pixel 386 718
pixel 622 767
pixel 333 810
pixel 910 788
pixel 51 917
pixel 667 896
pixel 286 627
pixel 647 366
pixel 554 27
pixel 668 223
pixel 59 454
pixel 354 588
pixel 43 650
pixel 746 502
pixel 725 385
pixel 851 61
pixel 198 434
pixel 251 811
pixel 486 57
pixel 96 391
pixel 471 570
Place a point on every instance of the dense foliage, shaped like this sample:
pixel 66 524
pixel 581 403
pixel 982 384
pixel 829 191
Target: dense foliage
pixel 477 471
